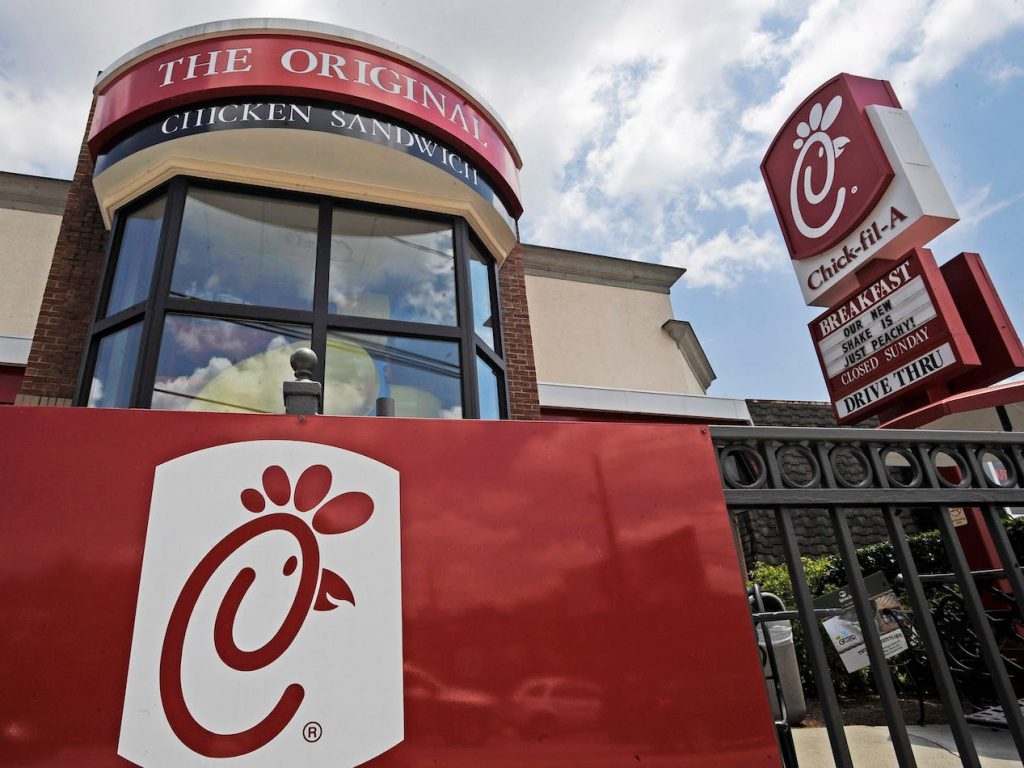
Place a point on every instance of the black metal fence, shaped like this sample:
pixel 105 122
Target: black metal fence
pixel 894 473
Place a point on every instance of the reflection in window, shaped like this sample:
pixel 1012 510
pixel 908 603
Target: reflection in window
pixel 480 284
pixel 246 249
pixel 487 386
pixel 225 365
pixel 115 369
pixel 137 254
pixel 390 276
pixel 422 376
pixel 391 267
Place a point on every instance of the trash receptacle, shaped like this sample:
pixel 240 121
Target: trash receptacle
pixel 781 636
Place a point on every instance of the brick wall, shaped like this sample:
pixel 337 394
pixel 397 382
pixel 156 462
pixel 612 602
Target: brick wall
pixel 524 402
pixel 67 306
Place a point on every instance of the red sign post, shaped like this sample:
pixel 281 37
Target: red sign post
pixel 857 196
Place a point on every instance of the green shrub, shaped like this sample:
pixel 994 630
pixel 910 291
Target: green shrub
pixel 825 574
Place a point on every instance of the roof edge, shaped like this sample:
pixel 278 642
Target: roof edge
pixel 685 337
pixel 559 264
pixel 37 194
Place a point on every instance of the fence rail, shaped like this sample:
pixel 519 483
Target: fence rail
pixel 846 471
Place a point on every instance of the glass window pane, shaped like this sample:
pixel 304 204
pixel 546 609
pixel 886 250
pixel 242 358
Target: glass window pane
pixel 391 267
pixel 115 368
pixel 480 282
pixel 422 376
pixel 487 386
pixel 136 256
pixel 246 249
pixel 208 364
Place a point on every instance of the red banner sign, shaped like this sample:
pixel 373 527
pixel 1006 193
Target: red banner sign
pixel 341 591
pixel 312 67
pixel 898 332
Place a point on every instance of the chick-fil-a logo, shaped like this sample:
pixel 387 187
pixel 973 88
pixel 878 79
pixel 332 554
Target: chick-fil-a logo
pixel 825 170
pixel 810 135
pixel 268 611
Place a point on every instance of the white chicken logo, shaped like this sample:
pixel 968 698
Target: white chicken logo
pixel 814 132
pixel 269 609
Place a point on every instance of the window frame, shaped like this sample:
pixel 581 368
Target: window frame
pixel 159 304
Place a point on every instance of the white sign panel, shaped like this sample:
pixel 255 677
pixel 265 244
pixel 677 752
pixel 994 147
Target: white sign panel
pixel 845 628
pixel 900 315
pixel 268 630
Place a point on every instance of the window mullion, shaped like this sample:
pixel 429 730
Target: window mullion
pixel 236 311
pixel 492 357
pixel 496 312
pixel 152 331
pixel 499 336
pixel 467 337
pixel 321 288
pixel 354 324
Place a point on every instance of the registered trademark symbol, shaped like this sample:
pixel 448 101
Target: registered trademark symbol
pixel 312 732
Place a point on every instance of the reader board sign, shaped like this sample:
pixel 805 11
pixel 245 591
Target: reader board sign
pixel 895 334
pixel 851 182
pixel 225 590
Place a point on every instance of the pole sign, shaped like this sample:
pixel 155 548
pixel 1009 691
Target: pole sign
pixel 851 182
pixel 896 334
pixel 857 197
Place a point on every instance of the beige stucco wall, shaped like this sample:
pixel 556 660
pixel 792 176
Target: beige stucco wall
pixel 26 249
pixel 596 335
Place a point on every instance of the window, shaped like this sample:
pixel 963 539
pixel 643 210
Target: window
pixel 209 288
pixel 244 249
pixel 140 239
pixel 391 267
pixel 111 382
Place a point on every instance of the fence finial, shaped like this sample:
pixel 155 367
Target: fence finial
pixel 304 396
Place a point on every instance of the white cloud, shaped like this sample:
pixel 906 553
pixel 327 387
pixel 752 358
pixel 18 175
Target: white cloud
pixel 96 392
pixel 977 207
pixel 1003 73
pixel 641 124
pixel 41 128
pixel 950 32
pixel 726 259
pixel 749 196
pixel 913 43
pixel 859 38
pixel 189 384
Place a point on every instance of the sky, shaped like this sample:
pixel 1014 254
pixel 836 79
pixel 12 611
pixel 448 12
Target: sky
pixel 641 124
